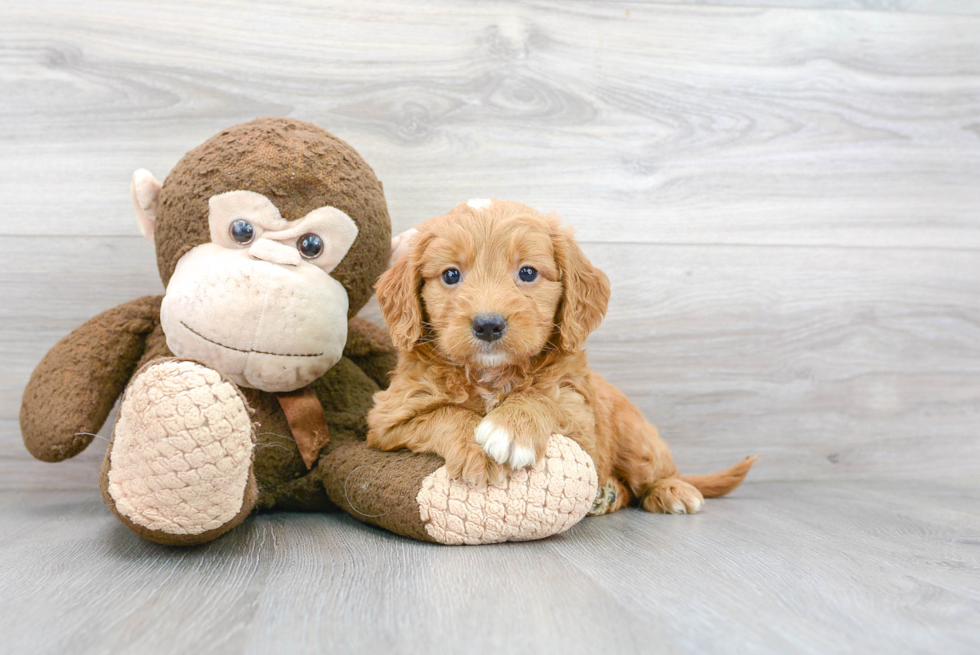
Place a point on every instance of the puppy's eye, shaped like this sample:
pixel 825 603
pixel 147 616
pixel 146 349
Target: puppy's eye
pixel 242 231
pixel 527 274
pixel 451 276
pixel 310 246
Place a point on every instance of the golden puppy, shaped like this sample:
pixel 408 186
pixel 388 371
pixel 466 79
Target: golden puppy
pixel 490 307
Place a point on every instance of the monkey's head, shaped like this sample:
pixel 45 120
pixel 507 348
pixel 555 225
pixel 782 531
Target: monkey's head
pixel 269 237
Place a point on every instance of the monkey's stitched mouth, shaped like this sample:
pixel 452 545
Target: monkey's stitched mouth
pixel 243 350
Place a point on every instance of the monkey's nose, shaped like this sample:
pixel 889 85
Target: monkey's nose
pixel 275 252
pixel 489 327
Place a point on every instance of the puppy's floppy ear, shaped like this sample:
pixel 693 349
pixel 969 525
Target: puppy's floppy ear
pixel 585 292
pixel 399 297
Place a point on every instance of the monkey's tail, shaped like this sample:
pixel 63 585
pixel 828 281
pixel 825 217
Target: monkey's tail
pixel 719 483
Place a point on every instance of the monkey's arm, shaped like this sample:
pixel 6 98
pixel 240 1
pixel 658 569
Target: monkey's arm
pixel 72 390
pixel 412 494
pixel 370 347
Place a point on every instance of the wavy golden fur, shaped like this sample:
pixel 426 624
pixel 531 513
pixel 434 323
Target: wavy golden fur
pixel 487 405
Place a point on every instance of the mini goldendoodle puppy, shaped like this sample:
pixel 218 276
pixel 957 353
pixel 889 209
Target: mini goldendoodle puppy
pixel 490 306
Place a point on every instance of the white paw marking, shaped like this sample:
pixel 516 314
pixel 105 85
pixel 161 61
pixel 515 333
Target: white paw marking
pixel 499 443
pixel 479 203
pixel 679 507
pixel 521 457
pixel 483 430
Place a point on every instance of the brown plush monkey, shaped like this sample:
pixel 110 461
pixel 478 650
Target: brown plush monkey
pixel 246 385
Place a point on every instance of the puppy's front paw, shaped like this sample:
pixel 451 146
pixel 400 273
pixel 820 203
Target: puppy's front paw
pixel 474 466
pixel 501 444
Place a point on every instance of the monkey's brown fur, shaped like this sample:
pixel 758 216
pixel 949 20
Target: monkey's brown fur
pixel 299 167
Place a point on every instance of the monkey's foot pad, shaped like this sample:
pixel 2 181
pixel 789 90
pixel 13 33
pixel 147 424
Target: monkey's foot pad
pixel 180 463
pixel 531 504
pixel 605 500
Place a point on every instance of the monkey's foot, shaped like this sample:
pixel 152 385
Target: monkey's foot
pixel 613 496
pixel 179 468
pixel 532 503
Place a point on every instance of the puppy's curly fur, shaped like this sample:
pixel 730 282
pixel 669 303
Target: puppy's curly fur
pixel 486 404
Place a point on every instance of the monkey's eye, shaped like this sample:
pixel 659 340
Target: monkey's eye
pixel 527 274
pixel 451 276
pixel 310 246
pixel 242 231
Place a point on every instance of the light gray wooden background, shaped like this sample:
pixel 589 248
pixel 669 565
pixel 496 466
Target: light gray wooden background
pixel 786 197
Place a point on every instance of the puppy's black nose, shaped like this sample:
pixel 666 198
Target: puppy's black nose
pixel 489 327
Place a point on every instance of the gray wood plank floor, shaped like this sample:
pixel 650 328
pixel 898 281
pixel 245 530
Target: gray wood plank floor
pixel 819 567
pixel 784 193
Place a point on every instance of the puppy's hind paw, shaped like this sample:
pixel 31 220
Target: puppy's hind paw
pixel 673 496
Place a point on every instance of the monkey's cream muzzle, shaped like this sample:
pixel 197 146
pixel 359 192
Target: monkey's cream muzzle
pixel 261 311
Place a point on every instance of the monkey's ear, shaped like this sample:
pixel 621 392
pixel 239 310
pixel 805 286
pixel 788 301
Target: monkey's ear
pixel 145 192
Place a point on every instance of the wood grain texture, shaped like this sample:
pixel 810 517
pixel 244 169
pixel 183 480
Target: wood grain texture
pixel 914 6
pixel 830 362
pixel 665 123
pixel 784 193
pixel 776 568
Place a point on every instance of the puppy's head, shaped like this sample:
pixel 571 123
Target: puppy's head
pixel 493 283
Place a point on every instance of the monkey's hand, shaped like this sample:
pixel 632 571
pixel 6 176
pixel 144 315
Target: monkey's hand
pixel 72 390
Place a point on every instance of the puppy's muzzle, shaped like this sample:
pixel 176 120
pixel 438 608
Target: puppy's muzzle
pixel 489 327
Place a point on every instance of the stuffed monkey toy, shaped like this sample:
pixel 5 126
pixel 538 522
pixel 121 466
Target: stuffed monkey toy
pixel 246 385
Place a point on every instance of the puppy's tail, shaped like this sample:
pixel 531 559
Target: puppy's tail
pixel 712 485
